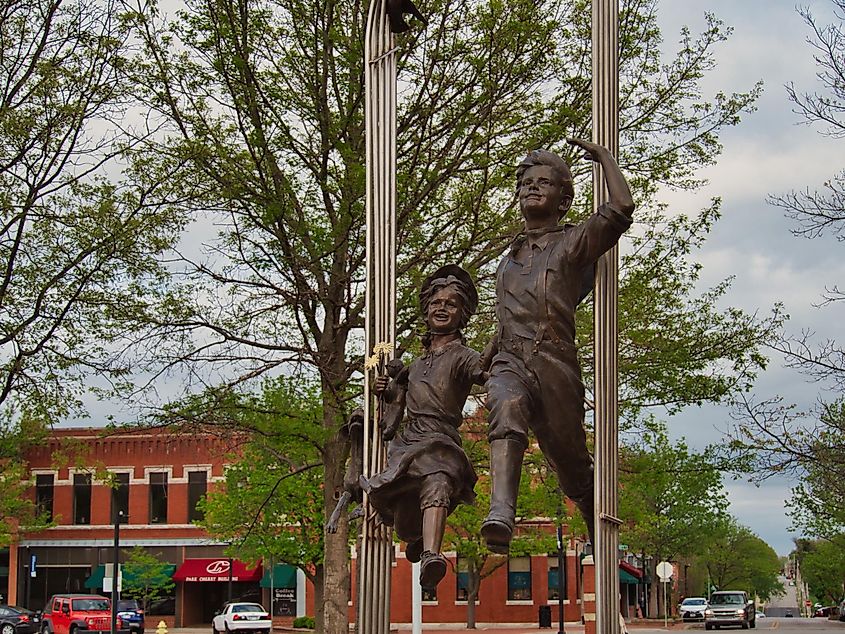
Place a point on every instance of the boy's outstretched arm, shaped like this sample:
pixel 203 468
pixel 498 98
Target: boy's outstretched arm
pixel 617 186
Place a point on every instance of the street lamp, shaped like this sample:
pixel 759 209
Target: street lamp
pixel 115 589
pixel 561 576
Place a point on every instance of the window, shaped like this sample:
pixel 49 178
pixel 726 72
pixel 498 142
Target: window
pixel 197 485
pixel 519 579
pixel 554 578
pixel 81 498
pixel 158 498
pixel 462 580
pixel 429 594
pixel 120 497
pixel 44 495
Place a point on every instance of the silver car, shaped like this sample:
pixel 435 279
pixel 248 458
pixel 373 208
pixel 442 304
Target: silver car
pixel 692 608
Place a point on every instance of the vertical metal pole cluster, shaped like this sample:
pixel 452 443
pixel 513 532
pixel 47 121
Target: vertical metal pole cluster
pixel 605 36
pixel 375 558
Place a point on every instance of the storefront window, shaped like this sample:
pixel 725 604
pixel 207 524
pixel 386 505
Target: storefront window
pixel 554 577
pixel 519 579
pixel 462 580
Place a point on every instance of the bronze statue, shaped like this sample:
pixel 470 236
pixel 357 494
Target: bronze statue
pixel 428 474
pixel 354 431
pixel 535 379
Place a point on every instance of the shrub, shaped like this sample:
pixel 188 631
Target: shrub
pixel 306 622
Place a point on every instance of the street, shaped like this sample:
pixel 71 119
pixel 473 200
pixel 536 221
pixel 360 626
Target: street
pixel 782 625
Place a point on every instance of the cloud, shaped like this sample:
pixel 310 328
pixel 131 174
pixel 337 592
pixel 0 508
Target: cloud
pixel 761 508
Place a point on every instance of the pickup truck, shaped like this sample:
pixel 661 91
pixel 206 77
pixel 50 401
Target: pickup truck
pixel 78 614
pixel 730 607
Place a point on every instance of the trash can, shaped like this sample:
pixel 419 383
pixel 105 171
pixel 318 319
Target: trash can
pixel 545 616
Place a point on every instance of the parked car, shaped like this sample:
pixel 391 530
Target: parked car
pixel 692 608
pixel 760 615
pixel 730 607
pixel 824 611
pixel 15 620
pixel 242 617
pixel 788 613
pixel 842 610
pixel 78 613
pixel 131 614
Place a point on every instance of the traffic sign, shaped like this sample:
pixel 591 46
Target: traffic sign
pixel 665 570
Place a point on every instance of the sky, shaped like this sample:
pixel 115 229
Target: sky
pixel 770 152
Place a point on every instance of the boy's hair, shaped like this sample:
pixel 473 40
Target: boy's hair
pixel 544 157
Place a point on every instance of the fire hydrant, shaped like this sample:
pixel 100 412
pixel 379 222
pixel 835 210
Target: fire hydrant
pixel 161 628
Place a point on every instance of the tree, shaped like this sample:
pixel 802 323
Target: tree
pixel 819 212
pixel 17 509
pixel 145 577
pixel 823 569
pixel 737 559
pixel 77 250
pixel 260 108
pixel 671 499
pixel 270 506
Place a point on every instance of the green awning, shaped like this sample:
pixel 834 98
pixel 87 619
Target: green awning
pixel 284 576
pixel 627 577
pixel 95 581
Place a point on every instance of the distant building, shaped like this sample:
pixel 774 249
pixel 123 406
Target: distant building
pixel 160 478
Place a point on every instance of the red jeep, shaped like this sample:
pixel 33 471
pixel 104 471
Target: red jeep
pixel 78 613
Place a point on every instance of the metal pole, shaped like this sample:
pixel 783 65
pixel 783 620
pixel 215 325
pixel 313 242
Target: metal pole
pixel 115 592
pixel 374 561
pixel 605 67
pixel 561 577
pixel 416 600
pixel 231 563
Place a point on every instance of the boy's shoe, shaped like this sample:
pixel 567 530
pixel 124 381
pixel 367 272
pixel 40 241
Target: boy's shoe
pixel 433 569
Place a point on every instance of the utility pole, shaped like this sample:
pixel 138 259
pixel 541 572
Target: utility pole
pixel 561 576
pixel 115 587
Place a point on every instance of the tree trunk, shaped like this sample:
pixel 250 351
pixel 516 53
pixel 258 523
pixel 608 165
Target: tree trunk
pixel 335 594
pixel 653 603
pixel 473 585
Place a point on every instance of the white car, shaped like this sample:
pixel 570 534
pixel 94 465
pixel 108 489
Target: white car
pixel 692 608
pixel 242 617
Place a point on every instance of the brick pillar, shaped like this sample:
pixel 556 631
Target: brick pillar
pixel 14 571
pixel 589 569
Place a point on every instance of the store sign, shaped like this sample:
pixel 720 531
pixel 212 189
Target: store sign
pixel 284 601
pixel 218 567
pixel 216 570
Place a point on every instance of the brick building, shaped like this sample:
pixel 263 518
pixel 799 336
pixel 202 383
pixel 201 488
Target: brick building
pixel 159 479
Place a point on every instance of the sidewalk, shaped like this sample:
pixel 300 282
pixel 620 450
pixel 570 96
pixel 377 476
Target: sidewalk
pixel 453 628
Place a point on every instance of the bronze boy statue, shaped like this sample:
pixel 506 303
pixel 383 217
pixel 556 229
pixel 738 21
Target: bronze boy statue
pixel 535 379
pixel 428 474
